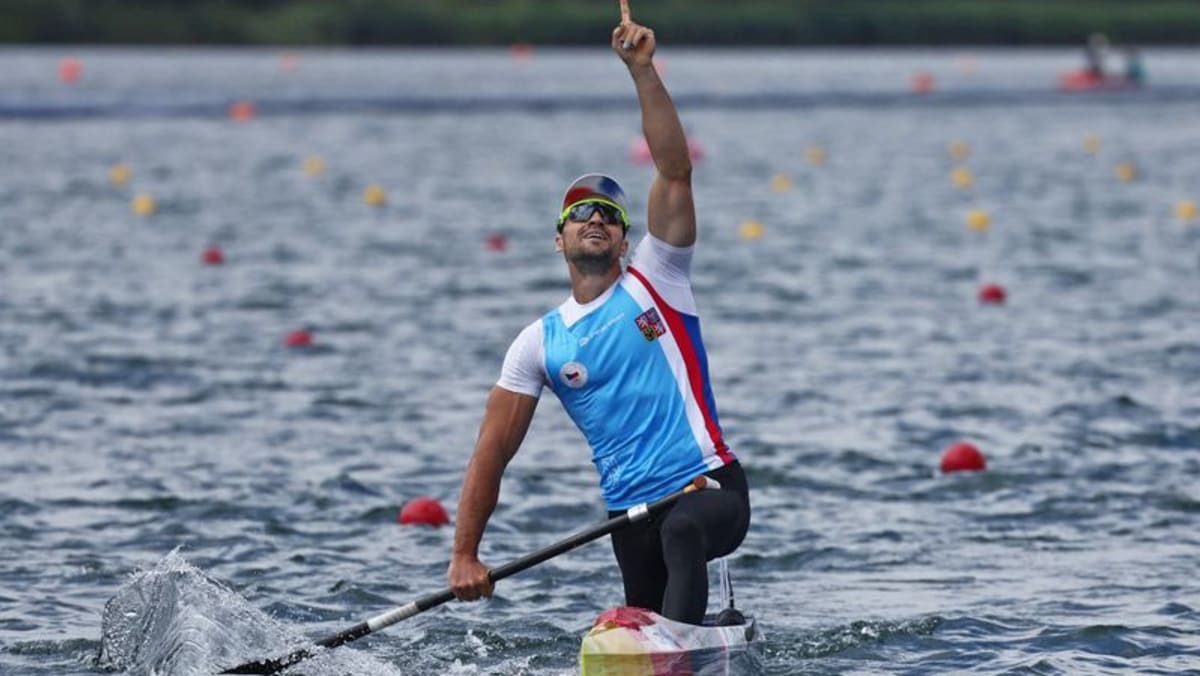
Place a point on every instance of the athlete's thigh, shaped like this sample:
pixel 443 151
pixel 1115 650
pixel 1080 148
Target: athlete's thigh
pixel 723 516
pixel 638 548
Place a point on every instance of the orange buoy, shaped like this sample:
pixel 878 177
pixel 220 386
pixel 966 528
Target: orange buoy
pixel 143 205
pixel 1185 210
pixel 242 111
pixel 118 175
pixel 978 220
pixel 314 165
pixel 962 177
pixel 751 229
pixel 1126 172
pixel 375 195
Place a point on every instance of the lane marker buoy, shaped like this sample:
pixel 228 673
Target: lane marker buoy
pixel 978 220
pixel 143 205
pixel 299 338
pixel 375 195
pixel 423 511
pixel 962 457
pixel 992 294
pixel 751 230
pixel 213 256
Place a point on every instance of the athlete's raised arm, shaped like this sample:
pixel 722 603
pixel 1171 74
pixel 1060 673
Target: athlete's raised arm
pixel 671 213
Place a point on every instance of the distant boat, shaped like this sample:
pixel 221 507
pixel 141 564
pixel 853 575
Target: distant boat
pixel 1087 81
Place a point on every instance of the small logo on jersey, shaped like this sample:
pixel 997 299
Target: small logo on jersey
pixel 573 375
pixel 583 342
pixel 650 324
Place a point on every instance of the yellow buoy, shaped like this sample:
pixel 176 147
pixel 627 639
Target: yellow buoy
pixel 962 177
pixel 143 205
pixel 119 174
pixel 978 220
pixel 959 151
pixel 314 165
pixel 1185 210
pixel 815 155
pixel 781 183
pixel 1091 144
pixel 375 195
pixel 751 230
pixel 1126 172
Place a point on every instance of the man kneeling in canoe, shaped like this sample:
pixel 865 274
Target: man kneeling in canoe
pixel 625 357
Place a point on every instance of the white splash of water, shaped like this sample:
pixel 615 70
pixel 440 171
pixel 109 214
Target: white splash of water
pixel 174 620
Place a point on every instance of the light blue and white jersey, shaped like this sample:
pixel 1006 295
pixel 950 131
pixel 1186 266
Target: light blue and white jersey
pixel 631 371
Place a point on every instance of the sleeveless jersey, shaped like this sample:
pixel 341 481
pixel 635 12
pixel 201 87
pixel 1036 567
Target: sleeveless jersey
pixel 630 369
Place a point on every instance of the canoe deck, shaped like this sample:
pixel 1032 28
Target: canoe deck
pixel 632 641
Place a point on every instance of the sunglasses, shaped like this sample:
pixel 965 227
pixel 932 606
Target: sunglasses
pixel 583 211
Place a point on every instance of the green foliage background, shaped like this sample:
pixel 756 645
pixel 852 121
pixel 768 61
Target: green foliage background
pixel 566 22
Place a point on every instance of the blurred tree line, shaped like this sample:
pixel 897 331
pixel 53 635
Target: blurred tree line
pixel 584 22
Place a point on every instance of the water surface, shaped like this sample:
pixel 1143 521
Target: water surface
pixel 147 402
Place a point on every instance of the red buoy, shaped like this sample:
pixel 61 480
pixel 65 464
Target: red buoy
pixel 992 294
pixel 497 242
pixel 521 51
pixel 299 338
pixel 69 70
pixel 289 62
pixel 923 83
pixel 424 512
pixel 639 152
pixel 963 457
pixel 213 256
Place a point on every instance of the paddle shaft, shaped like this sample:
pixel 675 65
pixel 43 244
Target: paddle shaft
pixel 428 601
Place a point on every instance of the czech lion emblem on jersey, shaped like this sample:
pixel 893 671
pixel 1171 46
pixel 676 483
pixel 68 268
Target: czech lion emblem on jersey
pixel 650 324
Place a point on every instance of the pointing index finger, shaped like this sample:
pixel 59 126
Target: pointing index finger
pixel 625 12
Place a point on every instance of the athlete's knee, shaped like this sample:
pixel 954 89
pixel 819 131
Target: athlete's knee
pixel 730 531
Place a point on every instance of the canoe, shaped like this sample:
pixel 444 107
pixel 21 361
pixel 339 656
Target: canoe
pixel 1084 81
pixel 629 641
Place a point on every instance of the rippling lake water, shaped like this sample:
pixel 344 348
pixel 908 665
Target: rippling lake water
pixel 148 402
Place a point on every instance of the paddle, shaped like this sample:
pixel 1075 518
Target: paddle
pixel 387 619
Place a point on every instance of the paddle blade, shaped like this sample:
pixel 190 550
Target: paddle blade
pixel 270 666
